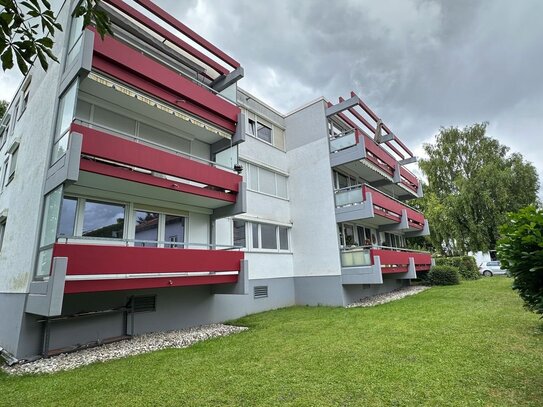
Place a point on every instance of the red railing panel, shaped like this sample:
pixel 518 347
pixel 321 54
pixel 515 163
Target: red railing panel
pixel 393 261
pixel 92 260
pixel 132 67
pixel 99 144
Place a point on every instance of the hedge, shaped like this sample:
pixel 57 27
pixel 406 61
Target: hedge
pixel 443 275
pixel 466 265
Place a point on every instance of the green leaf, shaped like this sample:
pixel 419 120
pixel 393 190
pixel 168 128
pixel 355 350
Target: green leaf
pixel 21 63
pixel 7 59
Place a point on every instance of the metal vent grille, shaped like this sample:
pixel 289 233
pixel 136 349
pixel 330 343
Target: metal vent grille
pixel 144 303
pixel 261 291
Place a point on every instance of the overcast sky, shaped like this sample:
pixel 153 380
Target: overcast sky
pixel 420 64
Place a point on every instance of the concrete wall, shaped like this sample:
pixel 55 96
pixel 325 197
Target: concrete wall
pixel 314 235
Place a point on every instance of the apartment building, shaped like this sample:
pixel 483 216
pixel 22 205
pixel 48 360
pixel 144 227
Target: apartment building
pixel 143 190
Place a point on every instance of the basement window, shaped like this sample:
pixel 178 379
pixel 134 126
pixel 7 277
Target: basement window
pixel 143 303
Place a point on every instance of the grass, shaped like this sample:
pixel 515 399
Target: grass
pixel 471 344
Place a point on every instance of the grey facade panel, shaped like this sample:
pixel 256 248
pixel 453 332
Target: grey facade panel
pixel 318 290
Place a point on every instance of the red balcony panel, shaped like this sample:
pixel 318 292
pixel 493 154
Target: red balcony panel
pixel 102 145
pixel 379 156
pixel 398 261
pixel 132 67
pixel 147 179
pixel 149 23
pixel 409 179
pixel 97 261
pixel 392 209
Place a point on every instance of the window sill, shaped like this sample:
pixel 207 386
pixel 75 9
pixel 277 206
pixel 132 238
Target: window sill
pixel 268 251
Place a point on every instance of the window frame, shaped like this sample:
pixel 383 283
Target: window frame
pixel 249 171
pixel 252 130
pixel 260 249
pixel 12 165
pixel 3 223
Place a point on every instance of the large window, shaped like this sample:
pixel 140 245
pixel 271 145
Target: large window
pixel 266 181
pixel 65 114
pixel 51 213
pixel 174 230
pixel 355 235
pixel 264 236
pixel 102 219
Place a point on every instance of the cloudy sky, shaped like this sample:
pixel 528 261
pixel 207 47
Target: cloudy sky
pixel 420 64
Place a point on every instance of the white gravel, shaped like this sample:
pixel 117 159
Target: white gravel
pixel 136 345
pixel 388 297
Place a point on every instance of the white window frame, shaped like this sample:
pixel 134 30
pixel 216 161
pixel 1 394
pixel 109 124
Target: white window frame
pixel 249 238
pixel 248 171
pixel 161 233
pixel 25 96
pixel 263 122
pixel 12 165
pixel 5 169
pixel 245 227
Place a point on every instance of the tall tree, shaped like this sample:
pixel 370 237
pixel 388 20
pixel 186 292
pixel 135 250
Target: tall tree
pixel 473 183
pixel 27 29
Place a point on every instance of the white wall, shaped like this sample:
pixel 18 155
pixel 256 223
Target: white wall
pixel 314 233
pixel 23 196
pixel 270 265
pixel 198 229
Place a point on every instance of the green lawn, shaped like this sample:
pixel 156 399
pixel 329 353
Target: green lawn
pixel 471 344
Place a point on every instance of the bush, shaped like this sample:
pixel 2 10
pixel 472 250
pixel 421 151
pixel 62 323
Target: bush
pixel 466 265
pixel 520 250
pixel 443 275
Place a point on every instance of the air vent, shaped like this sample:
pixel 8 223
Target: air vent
pixel 144 303
pixel 261 291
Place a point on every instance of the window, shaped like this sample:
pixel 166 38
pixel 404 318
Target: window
pixel 74 41
pixel 102 219
pixel 239 233
pixel 264 132
pixel 26 95
pixel 354 235
pixel 269 237
pixel 251 128
pixel 13 164
pixel 67 217
pixel 4 129
pixel 65 114
pixel 174 230
pixel 146 228
pixel 344 181
pixel 2 232
pixel 266 181
pixel 4 173
pixel 51 213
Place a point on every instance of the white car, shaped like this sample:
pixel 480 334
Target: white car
pixel 491 268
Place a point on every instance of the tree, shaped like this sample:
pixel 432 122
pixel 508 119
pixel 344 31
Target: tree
pixel 3 107
pixel 521 251
pixel 473 183
pixel 27 29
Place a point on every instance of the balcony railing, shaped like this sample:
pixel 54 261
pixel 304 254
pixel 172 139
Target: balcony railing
pixel 383 205
pixel 94 266
pixel 392 259
pixel 375 154
pixel 117 157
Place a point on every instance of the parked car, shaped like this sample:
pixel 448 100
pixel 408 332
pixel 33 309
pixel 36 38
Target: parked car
pixel 491 268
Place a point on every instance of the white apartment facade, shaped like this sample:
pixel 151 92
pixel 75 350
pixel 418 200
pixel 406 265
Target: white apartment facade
pixel 143 190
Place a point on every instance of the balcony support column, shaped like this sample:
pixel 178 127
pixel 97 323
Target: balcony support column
pixel 45 298
pixel 424 232
pixel 239 288
pixel 403 225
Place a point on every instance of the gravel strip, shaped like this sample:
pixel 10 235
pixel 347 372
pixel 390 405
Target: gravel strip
pixel 136 345
pixel 388 297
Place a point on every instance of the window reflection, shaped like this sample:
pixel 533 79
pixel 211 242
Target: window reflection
pixel 67 217
pixel 103 220
pixel 146 228
pixel 174 230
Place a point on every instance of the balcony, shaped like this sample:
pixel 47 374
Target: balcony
pixel 133 166
pixel 369 148
pixel 102 266
pixel 362 155
pixel 367 265
pixel 364 202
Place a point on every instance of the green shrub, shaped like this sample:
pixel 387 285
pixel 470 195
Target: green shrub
pixel 466 265
pixel 443 275
pixel 520 250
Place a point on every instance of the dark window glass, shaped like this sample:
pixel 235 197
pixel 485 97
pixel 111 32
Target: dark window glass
pixel 239 233
pixel 67 217
pixel 283 238
pixel 252 126
pixel 103 220
pixel 146 228
pixel 264 132
pixel 360 233
pixel 342 181
pixel 349 235
pixel 255 235
pixel 175 230
pixel 269 239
